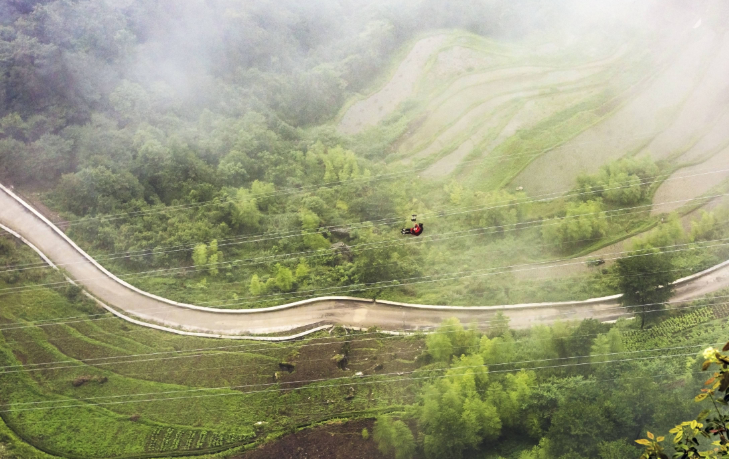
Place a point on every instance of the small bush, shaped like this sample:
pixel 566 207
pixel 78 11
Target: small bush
pixel 72 292
pixel 81 380
pixel 365 433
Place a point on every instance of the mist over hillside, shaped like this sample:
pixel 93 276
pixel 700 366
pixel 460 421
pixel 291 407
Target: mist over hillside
pixel 75 63
pixel 242 229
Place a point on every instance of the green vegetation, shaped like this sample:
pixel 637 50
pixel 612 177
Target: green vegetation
pixel 646 279
pixel 582 222
pixel 522 394
pixel 624 182
pixel 394 438
pixel 251 204
pixel 689 435
pixel 232 394
pixel 537 394
pixel 191 148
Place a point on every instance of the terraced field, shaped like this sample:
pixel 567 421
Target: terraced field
pixel 629 128
pixel 96 386
pixel 474 101
pixel 693 181
pixel 374 108
pixel 495 115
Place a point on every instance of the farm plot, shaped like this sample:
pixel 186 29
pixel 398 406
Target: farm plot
pixel 458 114
pixel 536 110
pixel 448 164
pixel 691 182
pixel 626 130
pixel 716 138
pixel 489 136
pixel 456 61
pixel 704 107
pixel 514 71
pixel 134 391
pixel 479 115
pixel 376 107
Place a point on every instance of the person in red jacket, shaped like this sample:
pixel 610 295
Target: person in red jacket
pixel 416 230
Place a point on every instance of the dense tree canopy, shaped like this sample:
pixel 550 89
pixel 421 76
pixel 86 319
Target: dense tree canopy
pixel 646 280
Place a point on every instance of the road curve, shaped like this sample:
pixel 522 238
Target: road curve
pixel 142 308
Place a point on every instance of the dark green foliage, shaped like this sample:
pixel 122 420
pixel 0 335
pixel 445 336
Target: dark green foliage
pixel 7 246
pixel 393 438
pixel 623 182
pixel 98 189
pixel 583 336
pixel 73 292
pixel 583 223
pixel 645 280
pixel 710 424
pixel 451 339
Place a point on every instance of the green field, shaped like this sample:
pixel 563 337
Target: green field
pixel 95 386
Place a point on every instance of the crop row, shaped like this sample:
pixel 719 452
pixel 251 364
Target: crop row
pixel 721 310
pixel 669 329
pixel 224 439
pixel 170 439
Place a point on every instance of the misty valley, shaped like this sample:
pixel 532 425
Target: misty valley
pixel 398 229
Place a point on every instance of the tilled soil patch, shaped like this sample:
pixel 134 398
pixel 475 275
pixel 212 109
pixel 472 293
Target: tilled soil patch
pixel 333 441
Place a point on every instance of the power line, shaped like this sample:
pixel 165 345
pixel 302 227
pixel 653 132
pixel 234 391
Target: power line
pixel 491 251
pixel 459 275
pixel 244 347
pixel 605 213
pixel 297 233
pixel 489 365
pixel 308 187
pixel 78 363
pixel 345 384
pixel 584 381
pixel 554 244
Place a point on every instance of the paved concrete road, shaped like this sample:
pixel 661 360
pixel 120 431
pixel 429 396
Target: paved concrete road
pixel 143 308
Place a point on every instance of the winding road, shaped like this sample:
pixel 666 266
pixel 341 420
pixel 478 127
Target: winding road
pixel 142 308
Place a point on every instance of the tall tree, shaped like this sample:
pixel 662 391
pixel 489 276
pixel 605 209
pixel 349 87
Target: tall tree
pixel 394 438
pixel 645 278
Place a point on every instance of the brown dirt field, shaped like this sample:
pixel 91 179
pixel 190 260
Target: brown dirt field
pixel 632 125
pixel 375 108
pixel 332 441
pixel 364 356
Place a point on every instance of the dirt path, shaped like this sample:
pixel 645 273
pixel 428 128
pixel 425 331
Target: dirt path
pixel 129 302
